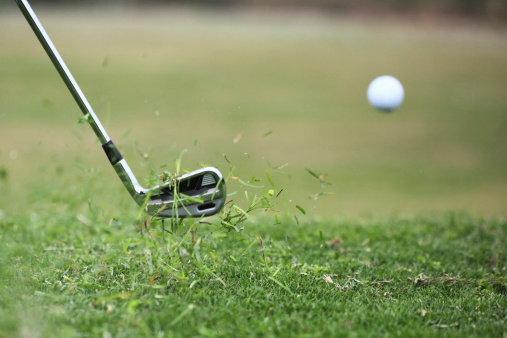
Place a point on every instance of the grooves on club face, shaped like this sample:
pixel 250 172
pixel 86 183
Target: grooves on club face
pixel 196 194
pixel 201 192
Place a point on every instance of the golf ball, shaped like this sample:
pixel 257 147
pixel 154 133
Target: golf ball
pixel 385 93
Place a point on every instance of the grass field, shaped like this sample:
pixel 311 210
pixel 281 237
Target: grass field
pixel 408 240
pixel 438 275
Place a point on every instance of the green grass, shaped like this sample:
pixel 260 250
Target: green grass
pixel 211 76
pixel 431 275
pixel 388 252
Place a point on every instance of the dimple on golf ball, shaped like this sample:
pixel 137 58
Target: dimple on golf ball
pixel 385 93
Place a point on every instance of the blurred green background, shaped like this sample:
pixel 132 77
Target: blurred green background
pixel 266 87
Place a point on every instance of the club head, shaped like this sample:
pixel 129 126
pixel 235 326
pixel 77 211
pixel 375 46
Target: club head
pixel 196 194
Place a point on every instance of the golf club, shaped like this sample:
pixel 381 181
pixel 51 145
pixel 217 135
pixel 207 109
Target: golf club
pixel 199 193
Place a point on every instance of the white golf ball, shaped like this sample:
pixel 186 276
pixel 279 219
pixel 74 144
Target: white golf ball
pixel 385 93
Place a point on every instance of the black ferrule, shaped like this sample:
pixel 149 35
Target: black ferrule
pixel 113 154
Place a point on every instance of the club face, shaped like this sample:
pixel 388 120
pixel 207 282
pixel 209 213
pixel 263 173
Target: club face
pixel 199 193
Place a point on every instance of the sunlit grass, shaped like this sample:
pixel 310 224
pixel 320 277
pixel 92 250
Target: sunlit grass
pixel 369 276
pixel 197 80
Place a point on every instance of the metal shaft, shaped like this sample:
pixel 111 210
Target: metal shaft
pixel 60 65
pixel 117 161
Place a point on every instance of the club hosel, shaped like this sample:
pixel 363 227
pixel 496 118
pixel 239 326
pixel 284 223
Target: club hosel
pixel 130 182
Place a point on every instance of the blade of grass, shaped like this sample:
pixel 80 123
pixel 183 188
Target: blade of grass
pixel 281 285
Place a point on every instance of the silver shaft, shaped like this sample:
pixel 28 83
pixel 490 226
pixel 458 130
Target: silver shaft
pixel 119 164
pixel 63 70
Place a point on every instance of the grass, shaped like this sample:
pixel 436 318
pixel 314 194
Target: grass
pixel 162 82
pixel 385 250
pixel 429 275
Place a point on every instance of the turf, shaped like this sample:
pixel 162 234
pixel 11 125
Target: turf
pixel 169 80
pixel 431 275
